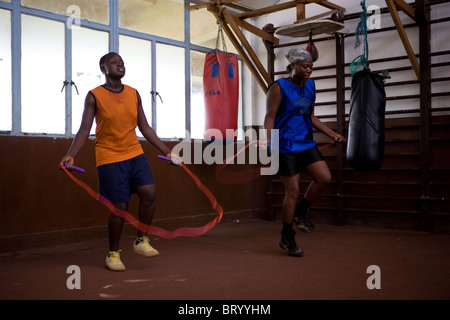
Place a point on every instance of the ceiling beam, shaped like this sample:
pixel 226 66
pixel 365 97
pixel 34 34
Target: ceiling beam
pixel 232 24
pixel 247 60
pixel 403 36
pixel 406 8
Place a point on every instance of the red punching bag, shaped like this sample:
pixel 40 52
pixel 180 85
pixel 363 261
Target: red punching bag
pixel 311 48
pixel 221 93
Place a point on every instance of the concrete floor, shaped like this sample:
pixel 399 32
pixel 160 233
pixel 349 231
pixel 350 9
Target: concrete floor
pixel 241 261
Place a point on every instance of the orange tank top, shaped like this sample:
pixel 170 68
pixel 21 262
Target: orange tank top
pixel 116 118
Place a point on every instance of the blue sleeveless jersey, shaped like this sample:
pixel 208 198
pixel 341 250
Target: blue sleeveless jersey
pixel 293 118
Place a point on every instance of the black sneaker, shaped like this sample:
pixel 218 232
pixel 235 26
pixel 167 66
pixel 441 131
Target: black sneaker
pixel 288 243
pixel 304 224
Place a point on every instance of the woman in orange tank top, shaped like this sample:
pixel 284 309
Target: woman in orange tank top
pixel 121 163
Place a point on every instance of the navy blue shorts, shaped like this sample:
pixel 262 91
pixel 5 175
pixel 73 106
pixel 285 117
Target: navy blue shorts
pixel 118 181
pixel 294 163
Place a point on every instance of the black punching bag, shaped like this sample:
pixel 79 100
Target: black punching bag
pixel 365 145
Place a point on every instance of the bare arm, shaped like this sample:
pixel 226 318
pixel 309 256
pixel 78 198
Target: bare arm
pixel 83 133
pixel 273 103
pixel 319 125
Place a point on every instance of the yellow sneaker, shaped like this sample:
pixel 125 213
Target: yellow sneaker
pixel 113 261
pixel 142 246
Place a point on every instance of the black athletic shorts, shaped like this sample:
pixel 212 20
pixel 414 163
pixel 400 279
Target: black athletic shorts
pixel 293 163
pixel 119 180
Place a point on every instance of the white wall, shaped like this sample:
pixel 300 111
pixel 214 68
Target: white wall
pixel 381 45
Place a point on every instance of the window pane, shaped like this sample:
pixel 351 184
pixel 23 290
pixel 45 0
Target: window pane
pixel 93 10
pixel 197 98
pixel 204 29
pixel 88 46
pixel 137 55
pixel 170 84
pixel 43 103
pixel 5 71
pixel 163 18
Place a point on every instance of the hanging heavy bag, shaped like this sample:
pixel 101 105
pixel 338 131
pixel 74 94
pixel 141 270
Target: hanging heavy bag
pixel 221 92
pixel 365 145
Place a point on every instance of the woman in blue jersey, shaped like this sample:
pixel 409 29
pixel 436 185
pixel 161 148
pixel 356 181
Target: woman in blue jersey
pixel 290 110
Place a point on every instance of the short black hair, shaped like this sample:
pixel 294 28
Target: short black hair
pixel 105 57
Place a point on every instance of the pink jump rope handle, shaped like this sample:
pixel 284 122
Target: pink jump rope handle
pixel 164 158
pixel 175 161
pixel 75 168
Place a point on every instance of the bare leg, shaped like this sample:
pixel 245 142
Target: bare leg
pixel 147 194
pixel 321 178
pixel 287 241
pixel 291 184
pixel 115 226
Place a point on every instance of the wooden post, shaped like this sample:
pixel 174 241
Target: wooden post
pixel 270 46
pixel 301 12
pixel 423 17
pixel 340 122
